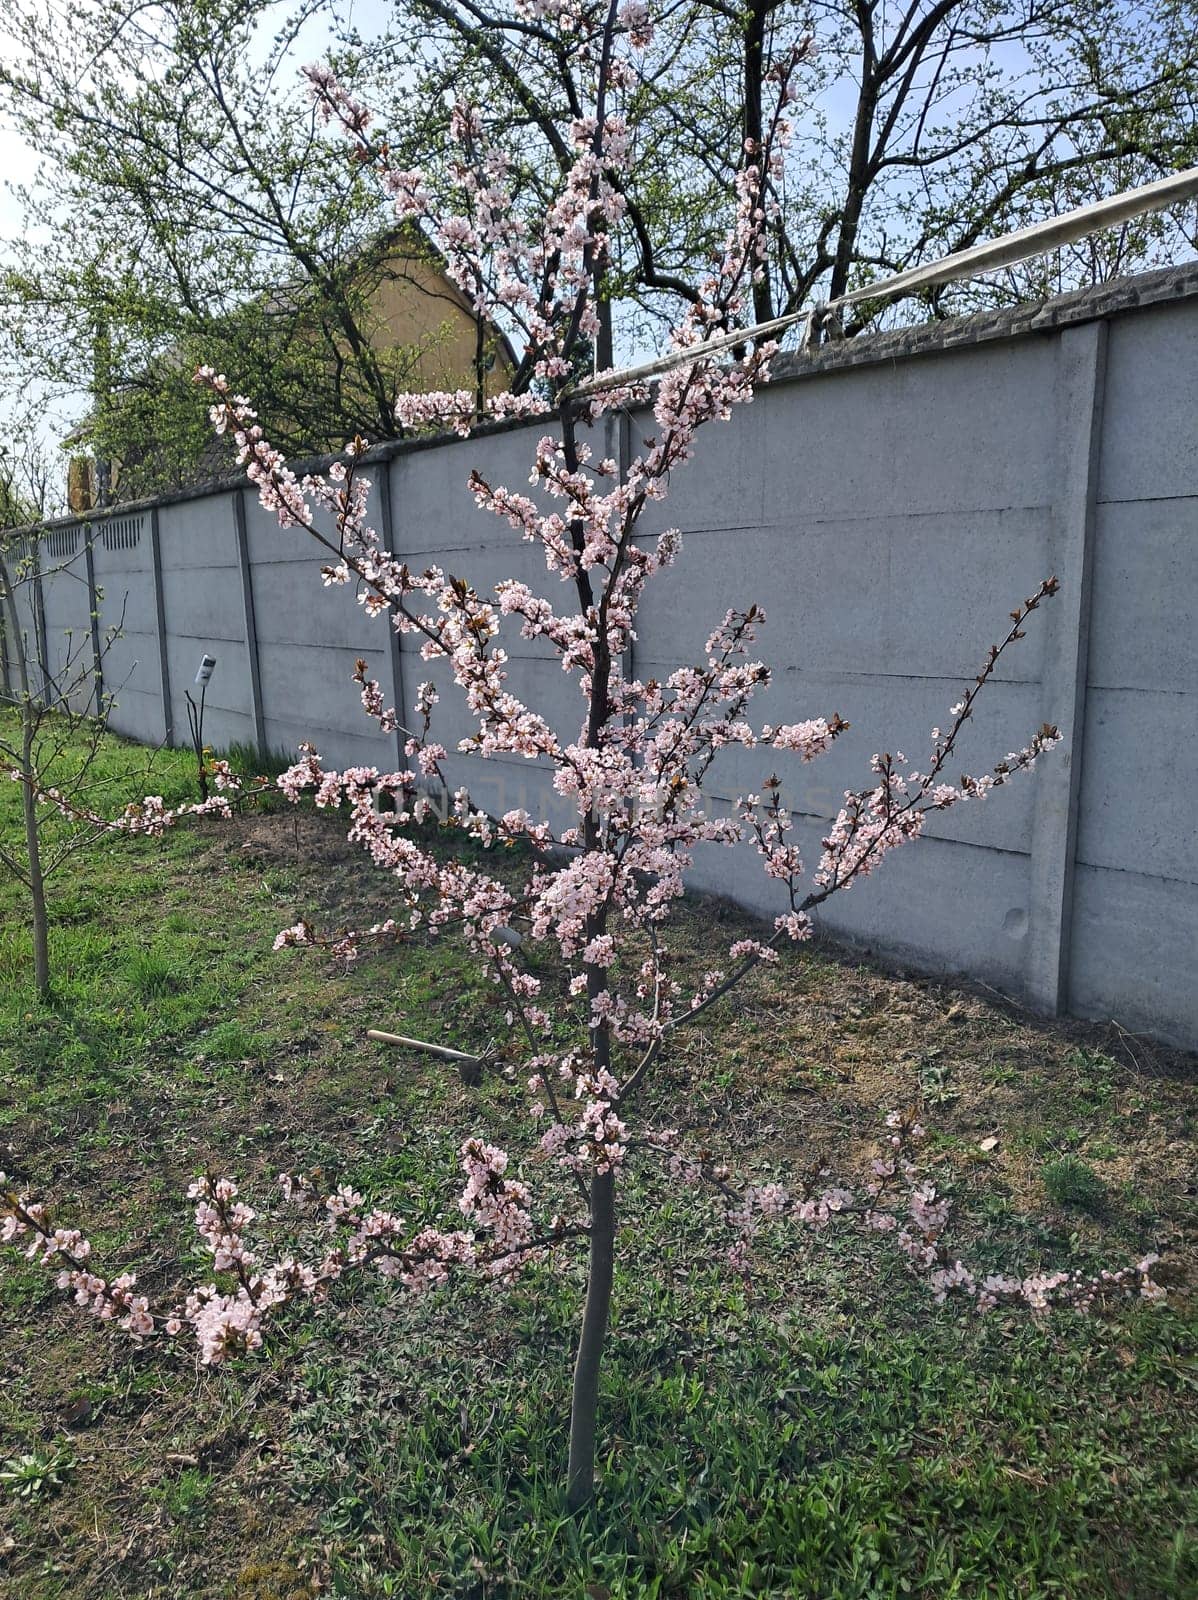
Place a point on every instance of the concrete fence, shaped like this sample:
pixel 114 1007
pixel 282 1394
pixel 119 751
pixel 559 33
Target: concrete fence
pixel 887 500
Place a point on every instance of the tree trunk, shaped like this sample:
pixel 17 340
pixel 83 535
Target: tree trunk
pixel 604 344
pixel 753 125
pixel 29 716
pixel 37 891
pixel 580 1482
pixel 585 1400
pixel 860 176
pixel 480 367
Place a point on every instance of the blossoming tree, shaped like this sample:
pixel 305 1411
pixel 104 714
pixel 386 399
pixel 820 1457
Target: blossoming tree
pixel 633 776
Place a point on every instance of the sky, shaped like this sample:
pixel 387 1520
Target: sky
pixel 19 164
pixel 18 161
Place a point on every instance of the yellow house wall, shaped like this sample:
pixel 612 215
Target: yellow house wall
pixel 415 305
pixel 413 308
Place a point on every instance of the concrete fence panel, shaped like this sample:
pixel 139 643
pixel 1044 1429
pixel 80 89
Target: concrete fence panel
pixel 125 576
pixel 66 604
pixel 203 599
pixel 887 500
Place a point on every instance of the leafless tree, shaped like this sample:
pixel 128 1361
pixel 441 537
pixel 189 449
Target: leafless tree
pixel 928 126
pixel 52 736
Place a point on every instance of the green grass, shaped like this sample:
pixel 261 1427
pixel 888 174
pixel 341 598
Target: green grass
pixel 822 1430
pixel 1070 1182
pixel 749 1454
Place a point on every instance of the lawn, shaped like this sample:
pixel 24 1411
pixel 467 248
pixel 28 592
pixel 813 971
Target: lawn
pixel 821 1430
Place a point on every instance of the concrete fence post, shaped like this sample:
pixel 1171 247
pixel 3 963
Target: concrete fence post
pixel 1081 375
pixel 394 651
pixel 164 669
pixel 93 618
pixel 251 626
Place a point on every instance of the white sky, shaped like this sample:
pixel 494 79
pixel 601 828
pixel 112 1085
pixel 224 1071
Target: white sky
pixel 19 163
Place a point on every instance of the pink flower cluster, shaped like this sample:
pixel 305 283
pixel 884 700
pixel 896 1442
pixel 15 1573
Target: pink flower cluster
pixel 633 779
pixel 898 1201
pixel 228 1320
pixel 492 1201
pixel 596 1138
pixel 150 816
pixel 635 773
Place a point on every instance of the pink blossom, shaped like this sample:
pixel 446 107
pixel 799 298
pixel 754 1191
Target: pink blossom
pixel 633 775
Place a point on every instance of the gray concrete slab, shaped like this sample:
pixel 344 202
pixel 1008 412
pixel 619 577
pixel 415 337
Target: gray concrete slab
pixel 887 501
